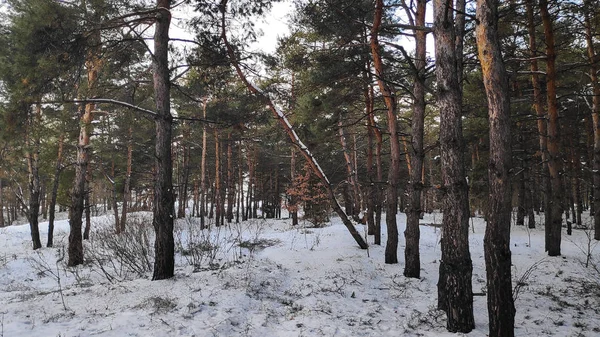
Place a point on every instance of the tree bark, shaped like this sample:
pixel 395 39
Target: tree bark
pixel 93 64
pixel 592 58
pixel 203 169
pixel 293 199
pixel 553 210
pixel 127 185
pixel 2 224
pixel 54 193
pixel 217 191
pixel 389 97
pixel 230 180
pixel 455 295
pixel 163 206
pixel 415 187
pixel 33 144
pixel 501 308
pixel 538 104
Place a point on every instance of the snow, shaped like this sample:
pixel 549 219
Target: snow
pixel 267 278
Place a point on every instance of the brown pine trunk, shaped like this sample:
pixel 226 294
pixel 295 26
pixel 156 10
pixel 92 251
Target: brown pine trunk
pixel 127 185
pixel 412 232
pixel 54 192
pixel 389 97
pixel 162 210
pixel 293 199
pixel 455 295
pixel 93 64
pixel 354 201
pixel 592 58
pixel 553 210
pixel 538 104
pixel 43 205
pixel 2 224
pixel 203 191
pixel 230 181
pixel 32 154
pixel 240 206
pixel 501 308
pixel 217 190
pixel 372 189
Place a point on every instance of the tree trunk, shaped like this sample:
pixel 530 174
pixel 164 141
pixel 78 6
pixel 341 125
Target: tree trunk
pixel 389 97
pixel 592 58
pixel 455 295
pixel 415 187
pixel 93 64
pixel 351 178
pixel 554 207
pixel 293 199
pixel 217 192
pixel 2 224
pixel 33 144
pixel 230 181
pixel 163 206
pixel 203 169
pixel 127 185
pixel 291 134
pixel 54 192
pixel 501 308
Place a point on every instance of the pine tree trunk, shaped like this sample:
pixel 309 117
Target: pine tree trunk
pixel 293 199
pixel 203 191
pixel 455 295
pixel 538 104
pixel 389 97
pixel 93 64
pixel 162 210
pixel 217 192
pixel 592 58
pixel 43 205
pixel 354 200
pixel 412 232
pixel 54 192
pixel 32 155
pixel 230 181
pixel 554 207
pixel 501 308
pixel 127 185
pixel 2 224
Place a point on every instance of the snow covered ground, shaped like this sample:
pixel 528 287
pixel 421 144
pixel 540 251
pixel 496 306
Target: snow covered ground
pixel 266 278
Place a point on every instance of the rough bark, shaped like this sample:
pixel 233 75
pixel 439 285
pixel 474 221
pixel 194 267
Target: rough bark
pixel 553 210
pixel 293 199
pixel 127 185
pixel 33 150
pixel 54 193
pixel 217 187
pixel 538 104
pixel 2 224
pixel 230 180
pixel 415 187
pixel 351 171
pixel 389 97
pixel 501 308
pixel 455 294
pixel 93 64
pixel 203 169
pixel 592 59
pixel 163 206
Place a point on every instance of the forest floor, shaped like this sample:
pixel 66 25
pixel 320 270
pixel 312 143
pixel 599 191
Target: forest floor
pixel 266 278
